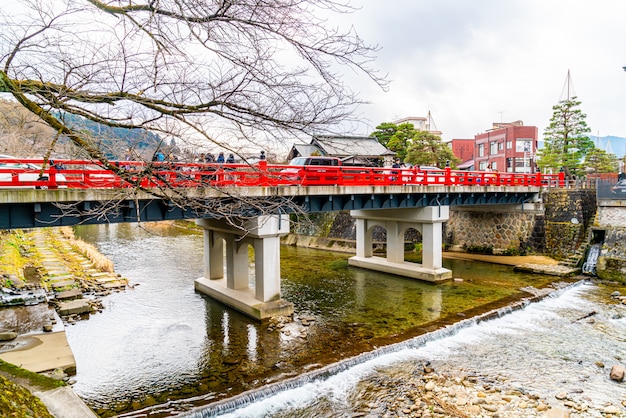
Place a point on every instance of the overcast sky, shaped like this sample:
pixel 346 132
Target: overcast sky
pixel 475 62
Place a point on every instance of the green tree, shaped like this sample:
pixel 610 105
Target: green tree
pixel 384 132
pixel 401 139
pixel 566 139
pixel 599 161
pixel 429 149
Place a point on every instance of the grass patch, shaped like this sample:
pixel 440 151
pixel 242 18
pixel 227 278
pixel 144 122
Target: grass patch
pixel 30 379
pixel 16 401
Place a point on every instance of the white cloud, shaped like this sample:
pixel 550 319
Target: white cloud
pixel 472 63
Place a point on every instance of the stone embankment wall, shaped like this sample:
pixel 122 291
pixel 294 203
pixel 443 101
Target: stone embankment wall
pixel 496 229
pixel 568 216
pixel 612 261
pixel 556 227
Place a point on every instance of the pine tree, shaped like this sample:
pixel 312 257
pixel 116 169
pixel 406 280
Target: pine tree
pixel 566 139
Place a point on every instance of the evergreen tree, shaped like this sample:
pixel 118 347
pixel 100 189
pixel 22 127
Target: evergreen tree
pixel 429 149
pixel 600 161
pixel 384 132
pixel 415 146
pixel 566 139
pixel 401 140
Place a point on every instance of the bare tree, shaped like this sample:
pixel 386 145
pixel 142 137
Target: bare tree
pixel 240 75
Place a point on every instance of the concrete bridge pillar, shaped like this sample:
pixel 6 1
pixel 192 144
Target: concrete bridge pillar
pixel 428 221
pixel 231 285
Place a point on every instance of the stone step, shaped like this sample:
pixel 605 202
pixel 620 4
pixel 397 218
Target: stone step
pixel 114 285
pixel 60 278
pixel 66 283
pixel 69 294
pixel 76 306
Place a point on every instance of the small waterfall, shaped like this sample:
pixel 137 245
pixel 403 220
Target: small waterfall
pixel 351 366
pixel 589 267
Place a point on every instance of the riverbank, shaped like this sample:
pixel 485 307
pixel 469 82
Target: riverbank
pixel 75 277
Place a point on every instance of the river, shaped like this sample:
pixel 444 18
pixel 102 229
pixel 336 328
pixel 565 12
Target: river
pixel 161 349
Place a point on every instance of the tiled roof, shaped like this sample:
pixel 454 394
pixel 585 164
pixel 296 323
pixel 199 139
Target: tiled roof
pixel 344 146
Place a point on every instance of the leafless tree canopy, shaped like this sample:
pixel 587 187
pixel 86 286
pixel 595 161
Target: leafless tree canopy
pixel 192 69
pixel 235 74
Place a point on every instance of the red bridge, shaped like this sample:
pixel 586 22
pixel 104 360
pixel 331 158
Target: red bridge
pixel 86 174
pixel 72 192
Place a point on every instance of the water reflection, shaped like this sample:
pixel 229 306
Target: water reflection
pixel 162 343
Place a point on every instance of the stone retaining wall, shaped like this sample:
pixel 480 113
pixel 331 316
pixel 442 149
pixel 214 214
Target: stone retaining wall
pixel 568 216
pixel 496 229
pixel 612 261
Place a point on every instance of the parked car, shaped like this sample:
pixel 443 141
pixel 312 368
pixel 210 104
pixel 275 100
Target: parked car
pixel 26 172
pixel 619 189
pixel 316 167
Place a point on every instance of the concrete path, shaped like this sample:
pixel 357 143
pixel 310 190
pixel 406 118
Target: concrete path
pixel 41 353
pixel 64 403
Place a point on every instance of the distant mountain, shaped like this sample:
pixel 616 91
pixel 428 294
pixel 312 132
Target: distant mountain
pixel 611 144
pixel 113 141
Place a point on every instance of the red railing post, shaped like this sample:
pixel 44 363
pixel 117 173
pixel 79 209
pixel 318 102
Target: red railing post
pixel 447 176
pixel 52 177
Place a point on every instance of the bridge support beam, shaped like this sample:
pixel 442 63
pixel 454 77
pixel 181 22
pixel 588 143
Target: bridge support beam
pixel 226 245
pixel 427 220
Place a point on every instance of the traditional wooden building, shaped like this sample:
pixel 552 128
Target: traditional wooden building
pixel 352 150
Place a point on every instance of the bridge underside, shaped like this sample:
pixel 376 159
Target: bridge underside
pixel 44 208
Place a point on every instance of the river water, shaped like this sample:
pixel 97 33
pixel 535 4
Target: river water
pixel 161 349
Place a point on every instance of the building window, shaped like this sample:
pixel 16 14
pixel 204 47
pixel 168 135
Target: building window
pixel 481 150
pixel 494 166
pixel 482 165
pixel 509 144
pixel 493 148
pixel 500 146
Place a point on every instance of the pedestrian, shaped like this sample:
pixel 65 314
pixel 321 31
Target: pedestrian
pixel 262 156
pixel 230 159
pixel 158 156
pixel 220 158
pixel 396 164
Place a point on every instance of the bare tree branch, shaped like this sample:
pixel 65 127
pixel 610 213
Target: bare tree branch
pixel 228 74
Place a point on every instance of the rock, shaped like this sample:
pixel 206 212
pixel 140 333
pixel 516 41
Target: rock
pixel 542 407
pixel 8 335
pixel 47 327
pixel 557 413
pixel 617 373
pixel 561 395
pixel 611 409
pixel 490 408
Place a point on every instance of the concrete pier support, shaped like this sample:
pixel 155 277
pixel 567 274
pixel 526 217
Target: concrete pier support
pixel 428 221
pixel 259 296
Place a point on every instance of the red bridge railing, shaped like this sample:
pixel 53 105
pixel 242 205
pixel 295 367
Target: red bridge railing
pixel 83 174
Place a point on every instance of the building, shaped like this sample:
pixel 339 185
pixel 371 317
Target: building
pixel 464 150
pixel 507 147
pixel 352 150
pixel 420 123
